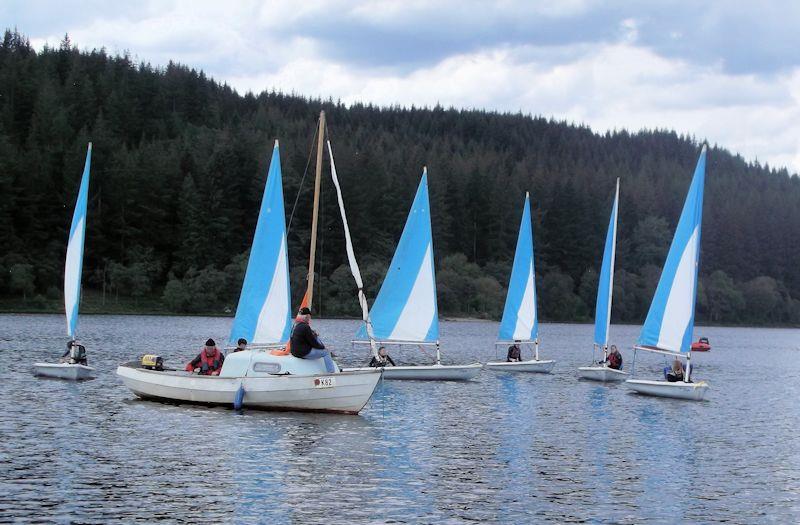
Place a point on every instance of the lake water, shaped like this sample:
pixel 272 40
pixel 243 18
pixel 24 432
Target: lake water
pixel 503 448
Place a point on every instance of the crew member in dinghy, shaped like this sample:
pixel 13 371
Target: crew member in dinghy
pixel 241 345
pixel 382 359
pixel 208 362
pixel 514 353
pixel 614 359
pixel 305 343
pixel 75 354
pixel 676 373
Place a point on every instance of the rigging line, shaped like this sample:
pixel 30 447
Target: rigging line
pixel 300 187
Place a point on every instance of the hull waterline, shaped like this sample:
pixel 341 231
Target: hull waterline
pixel 63 371
pixel 532 366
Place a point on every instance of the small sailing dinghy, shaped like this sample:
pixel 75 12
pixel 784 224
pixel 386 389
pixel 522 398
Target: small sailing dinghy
pixel 602 317
pixel 520 323
pixel 72 285
pixel 405 312
pixel 257 377
pixel 668 327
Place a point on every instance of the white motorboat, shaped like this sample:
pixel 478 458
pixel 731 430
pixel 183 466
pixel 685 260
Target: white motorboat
pixel 541 366
pixel 677 390
pixel 601 373
pixel 63 370
pixel 669 324
pixel 73 267
pixel 435 372
pixel 520 322
pixel 269 382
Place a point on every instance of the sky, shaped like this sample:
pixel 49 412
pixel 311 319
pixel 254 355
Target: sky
pixel 723 70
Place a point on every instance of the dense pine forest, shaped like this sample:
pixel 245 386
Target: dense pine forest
pixel 179 165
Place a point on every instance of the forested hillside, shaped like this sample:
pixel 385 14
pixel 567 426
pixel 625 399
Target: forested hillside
pixel 179 165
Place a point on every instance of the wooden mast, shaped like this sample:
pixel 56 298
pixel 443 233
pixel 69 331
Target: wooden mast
pixel 308 298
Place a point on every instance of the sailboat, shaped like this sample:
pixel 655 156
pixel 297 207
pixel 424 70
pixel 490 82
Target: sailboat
pixel 73 268
pixel 520 323
pixel 668 327
pixel 602 317
pixel 405 311
pixel 257 377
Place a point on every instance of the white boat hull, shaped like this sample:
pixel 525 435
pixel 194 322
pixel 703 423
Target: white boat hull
pixel 349 393
pixel 429 372
pixel 677 390
pixel 601 373
pixel 539 367
pixel 73 372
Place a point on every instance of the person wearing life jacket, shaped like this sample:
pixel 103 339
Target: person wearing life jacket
pixel 305 343
pixel 614 359
pixel 382 359
pixel 208 362
pixel 676 373
pixel 514 353
pixel 75 354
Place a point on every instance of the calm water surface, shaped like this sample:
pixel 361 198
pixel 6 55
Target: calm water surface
pixel 503 448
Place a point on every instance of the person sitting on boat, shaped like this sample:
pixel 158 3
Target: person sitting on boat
pixel 241 345
pixel 614 359
pixel 75 354
pixel 382 359
pixel 305 343
pixel 676 374
pixel 208 362
pixel 514 353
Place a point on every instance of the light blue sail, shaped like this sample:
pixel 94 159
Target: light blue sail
pixel 406 309
pixel 73 265
pixel 670 321
pixel 520 321
pixel 605 284
pixel 264 312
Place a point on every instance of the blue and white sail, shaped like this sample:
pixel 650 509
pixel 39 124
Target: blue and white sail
pixel 264 312
pixel 520 321
pixel 405 309
pixel 670 321
pixel 605 284
pixel 73 266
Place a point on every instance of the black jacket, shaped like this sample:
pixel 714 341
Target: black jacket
pixel 378 362
pixel 303 340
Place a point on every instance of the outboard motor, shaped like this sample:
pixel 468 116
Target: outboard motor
pixel 153 362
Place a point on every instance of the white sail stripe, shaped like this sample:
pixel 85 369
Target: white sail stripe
pixel 417 315
pixel 526 315
pixel 680 302
pixel 72 273
pixel 272 319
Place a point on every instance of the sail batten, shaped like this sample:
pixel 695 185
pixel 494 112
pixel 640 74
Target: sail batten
pixel 670 320
pixel 605 283
pixel 520 320
pixel 405 308
pixel 263 315
pixel 73 265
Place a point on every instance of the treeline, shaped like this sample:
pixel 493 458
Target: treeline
pixel 179 165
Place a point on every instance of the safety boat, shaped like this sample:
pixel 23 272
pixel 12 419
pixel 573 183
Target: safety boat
pixel 261 378
pixel 73 368
pixel 602 317
pixel 405 312
pixel 701 345
pixel 520 323
pixel 668 327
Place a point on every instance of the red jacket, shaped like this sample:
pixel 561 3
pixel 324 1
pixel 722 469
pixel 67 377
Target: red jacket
pixel 208 365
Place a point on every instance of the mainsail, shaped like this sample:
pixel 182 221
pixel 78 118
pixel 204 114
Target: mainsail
pixel 670 321
pixel 520 322
pixel 73 265
pixel 263 315
pixel 605 286
pixel 405 309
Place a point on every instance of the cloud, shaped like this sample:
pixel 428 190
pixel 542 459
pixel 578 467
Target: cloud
pixel 726 71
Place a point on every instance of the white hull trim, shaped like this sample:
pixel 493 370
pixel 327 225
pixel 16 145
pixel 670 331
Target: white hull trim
pixel 428 372
pixel 73 372
pixel 677 390
pixel 539 367
pixel 601 373
pixel 349 393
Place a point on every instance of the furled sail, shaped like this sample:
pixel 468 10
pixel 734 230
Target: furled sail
pixel 73 265
pixel 670 321
pixel 520 321
pixel 264 312
pixel 605 285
